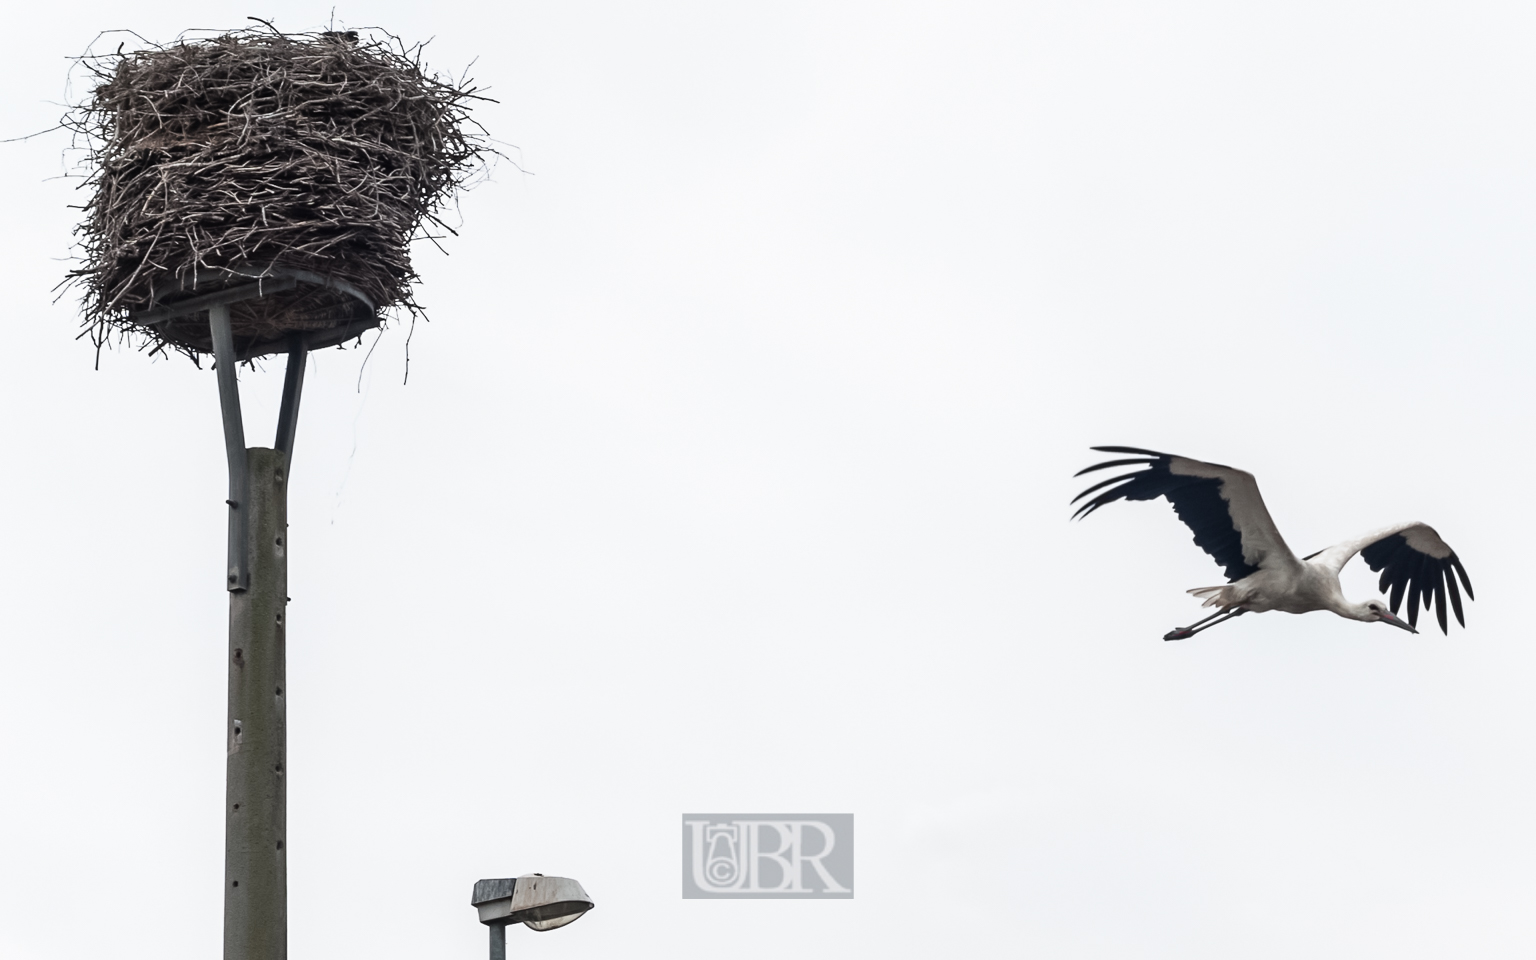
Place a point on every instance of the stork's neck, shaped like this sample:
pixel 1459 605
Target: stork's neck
pixel 1332 595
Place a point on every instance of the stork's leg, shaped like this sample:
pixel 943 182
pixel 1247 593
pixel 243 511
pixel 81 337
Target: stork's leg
pixel 1184 633
pixel 1192 626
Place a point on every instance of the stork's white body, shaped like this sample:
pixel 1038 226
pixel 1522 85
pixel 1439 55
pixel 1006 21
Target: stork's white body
pixel 1303 588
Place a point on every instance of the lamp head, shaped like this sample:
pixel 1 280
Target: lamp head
pixel 539 902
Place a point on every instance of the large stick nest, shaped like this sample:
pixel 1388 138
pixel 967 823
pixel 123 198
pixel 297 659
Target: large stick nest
pixel 254 152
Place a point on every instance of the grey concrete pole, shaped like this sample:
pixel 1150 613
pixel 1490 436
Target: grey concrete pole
pixel 256 795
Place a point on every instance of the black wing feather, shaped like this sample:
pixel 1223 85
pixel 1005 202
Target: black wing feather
pixel 1450 583
pixel 1135 461
pixel 1135 450
pixel 1427 579
pixel 1455 562
pixel 1196 500
pixel 1413 601
pixel 1439 578
pixel 1103 483
pixel 1396 600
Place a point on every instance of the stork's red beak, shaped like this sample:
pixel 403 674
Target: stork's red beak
pixel 1392 619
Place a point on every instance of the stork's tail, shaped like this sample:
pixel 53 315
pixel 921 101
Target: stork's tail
pixel 1213 596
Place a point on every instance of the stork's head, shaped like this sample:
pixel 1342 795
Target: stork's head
pixel 1372 611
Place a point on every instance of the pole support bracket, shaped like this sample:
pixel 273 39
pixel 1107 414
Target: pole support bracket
pixel 238 574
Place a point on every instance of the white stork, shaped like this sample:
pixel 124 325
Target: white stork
pixel 1223 508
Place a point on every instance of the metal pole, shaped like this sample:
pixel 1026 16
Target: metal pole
pixel 498 941
pixel 256 796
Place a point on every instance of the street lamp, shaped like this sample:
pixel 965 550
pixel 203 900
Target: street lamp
pixel 534 900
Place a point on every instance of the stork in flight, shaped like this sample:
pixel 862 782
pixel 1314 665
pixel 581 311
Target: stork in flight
pixel 1230 522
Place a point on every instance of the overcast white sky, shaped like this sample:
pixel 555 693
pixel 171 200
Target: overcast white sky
pixel 732 474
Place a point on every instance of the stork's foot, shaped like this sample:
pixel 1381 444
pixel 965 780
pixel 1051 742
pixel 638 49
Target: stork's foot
pixel 1220 616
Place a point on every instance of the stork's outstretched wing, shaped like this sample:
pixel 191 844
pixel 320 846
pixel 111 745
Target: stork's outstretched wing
pixel 1220 504
pixel 1412 557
